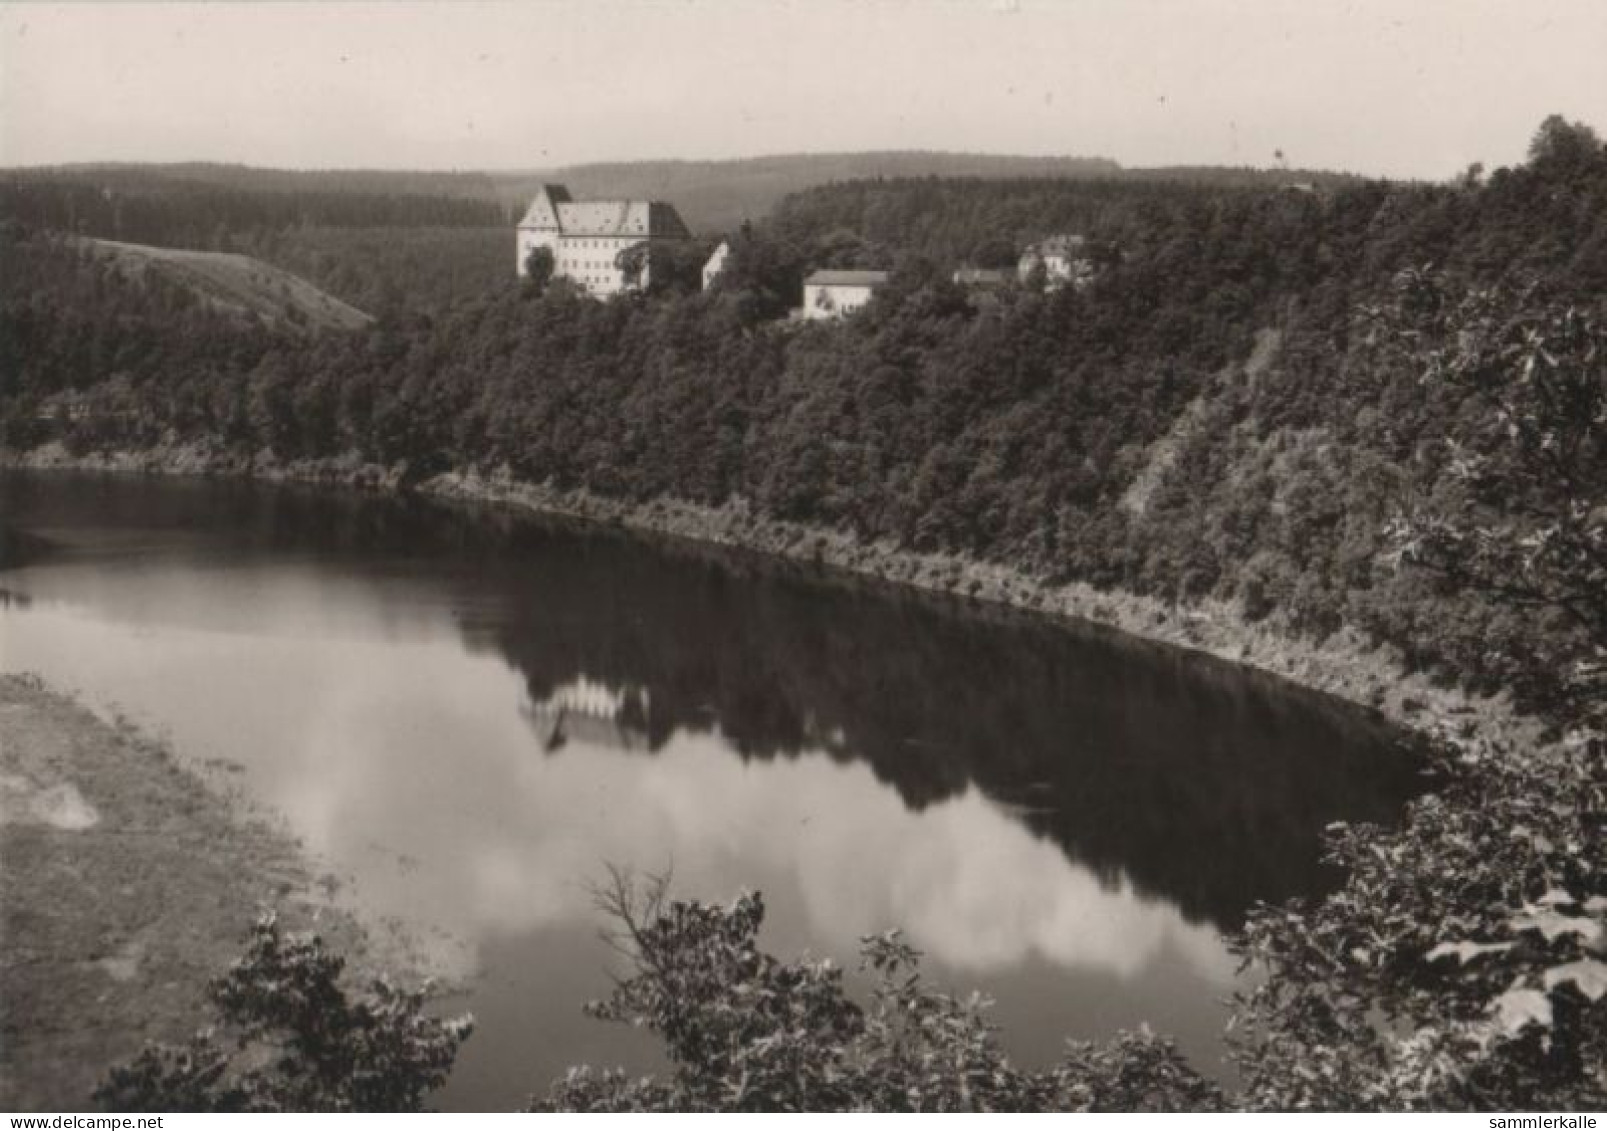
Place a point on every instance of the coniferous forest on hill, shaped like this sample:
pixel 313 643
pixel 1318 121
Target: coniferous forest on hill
pixel 1369 406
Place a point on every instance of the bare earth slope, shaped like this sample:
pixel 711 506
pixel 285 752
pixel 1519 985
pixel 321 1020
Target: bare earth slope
pixel 236 283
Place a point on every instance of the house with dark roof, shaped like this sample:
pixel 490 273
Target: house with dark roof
pixel 835 294
pixel 602 246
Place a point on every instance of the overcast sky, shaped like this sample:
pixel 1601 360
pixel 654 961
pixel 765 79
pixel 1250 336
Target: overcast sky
pixel 1392 87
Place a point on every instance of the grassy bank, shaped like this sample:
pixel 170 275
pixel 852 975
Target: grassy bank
pixel 128 883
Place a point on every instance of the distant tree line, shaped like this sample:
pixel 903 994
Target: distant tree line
pixel 174 212
pixel 379 240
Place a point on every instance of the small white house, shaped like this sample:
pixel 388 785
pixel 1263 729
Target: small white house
pixel 715 264
pixel 1064 260
pixel 836 294
pixel 983 278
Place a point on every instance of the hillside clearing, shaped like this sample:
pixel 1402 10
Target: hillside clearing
pixel 235 283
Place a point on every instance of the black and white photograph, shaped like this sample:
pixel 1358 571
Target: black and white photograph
pixel 751 556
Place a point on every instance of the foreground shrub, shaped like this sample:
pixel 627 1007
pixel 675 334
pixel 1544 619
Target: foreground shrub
pixel 1461 966
pixel 745 1031
pixel 293 1039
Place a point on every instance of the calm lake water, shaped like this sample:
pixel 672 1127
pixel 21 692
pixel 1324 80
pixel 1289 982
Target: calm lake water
pixel 467 715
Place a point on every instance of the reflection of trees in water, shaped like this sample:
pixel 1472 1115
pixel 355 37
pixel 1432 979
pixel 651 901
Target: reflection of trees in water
pixel 598 713
pixel 18 547
pixel 1199 782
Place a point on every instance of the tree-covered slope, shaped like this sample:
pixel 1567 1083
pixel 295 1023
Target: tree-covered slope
pixel 1010 427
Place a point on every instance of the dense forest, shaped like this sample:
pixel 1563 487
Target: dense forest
pixel 1114 435
pixel 1251 403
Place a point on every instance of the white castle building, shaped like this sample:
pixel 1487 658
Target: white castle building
pixel 588 238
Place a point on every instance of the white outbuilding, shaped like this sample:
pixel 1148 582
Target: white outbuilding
pixel 715 264
pixel 836 294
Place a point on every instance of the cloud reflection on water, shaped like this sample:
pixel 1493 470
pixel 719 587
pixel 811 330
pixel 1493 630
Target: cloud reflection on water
pixel 410 766
pixel 469 716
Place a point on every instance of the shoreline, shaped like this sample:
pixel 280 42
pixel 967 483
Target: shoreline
pixel 1345 666
pixel 130 882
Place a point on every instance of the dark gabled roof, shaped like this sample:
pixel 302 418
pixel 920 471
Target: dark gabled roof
pixel 543 210
pixel 553 209
pixel 620 218
pixel 846 279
